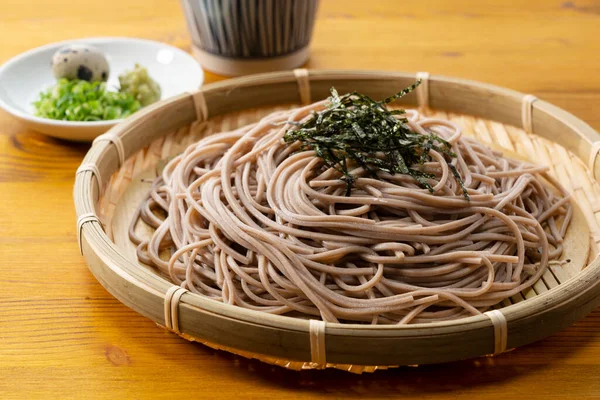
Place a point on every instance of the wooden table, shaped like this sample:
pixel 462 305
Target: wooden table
pixel 63 336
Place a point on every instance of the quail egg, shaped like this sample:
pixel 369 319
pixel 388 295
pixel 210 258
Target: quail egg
pixel 79 61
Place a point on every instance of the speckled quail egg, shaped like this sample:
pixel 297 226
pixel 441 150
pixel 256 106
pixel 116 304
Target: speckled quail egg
pixel 79 61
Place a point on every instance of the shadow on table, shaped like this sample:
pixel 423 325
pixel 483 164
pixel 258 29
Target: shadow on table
pixel 33 157
pixel 38 144
pixel 456 376
pixel 36 157
pixel 527 366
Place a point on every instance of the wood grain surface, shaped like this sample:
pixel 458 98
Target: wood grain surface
pixel 63 336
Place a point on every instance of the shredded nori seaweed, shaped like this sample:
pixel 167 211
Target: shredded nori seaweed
pixel 357 130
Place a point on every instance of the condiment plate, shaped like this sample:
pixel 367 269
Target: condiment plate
pixel 23 77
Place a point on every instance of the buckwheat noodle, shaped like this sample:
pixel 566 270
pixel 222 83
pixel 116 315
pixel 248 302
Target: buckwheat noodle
pixel 243 218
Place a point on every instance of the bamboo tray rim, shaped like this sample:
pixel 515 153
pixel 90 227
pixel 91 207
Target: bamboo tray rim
pixel 102 246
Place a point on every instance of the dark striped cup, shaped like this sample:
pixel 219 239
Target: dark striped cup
pixel 236 37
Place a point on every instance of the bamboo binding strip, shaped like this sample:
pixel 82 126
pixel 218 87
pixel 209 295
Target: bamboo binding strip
pixel 318 353
pixel 200 105
pixel 284 338
pixel 93 168
pixel 500 330
pixel 527 110
pixel 423 90
pixel 82 219
pixel 593 156
pixel 303 85
pixel 116 140
pixel 172 298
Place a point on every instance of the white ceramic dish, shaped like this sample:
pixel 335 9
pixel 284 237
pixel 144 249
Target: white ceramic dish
pixel 24 76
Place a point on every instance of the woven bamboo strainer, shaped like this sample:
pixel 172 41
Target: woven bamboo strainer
pixel 115 173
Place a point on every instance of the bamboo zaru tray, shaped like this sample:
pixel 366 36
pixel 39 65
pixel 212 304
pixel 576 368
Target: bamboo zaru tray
pixel 116 172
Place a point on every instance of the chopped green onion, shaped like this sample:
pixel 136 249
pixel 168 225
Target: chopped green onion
pixel 78 100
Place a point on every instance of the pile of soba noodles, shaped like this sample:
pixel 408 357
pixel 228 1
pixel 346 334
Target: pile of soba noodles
pixel 349 212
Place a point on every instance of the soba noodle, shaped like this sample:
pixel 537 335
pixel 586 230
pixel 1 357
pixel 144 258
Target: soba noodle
pixel 244 218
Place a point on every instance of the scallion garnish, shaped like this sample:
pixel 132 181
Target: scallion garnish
pixel 79 100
